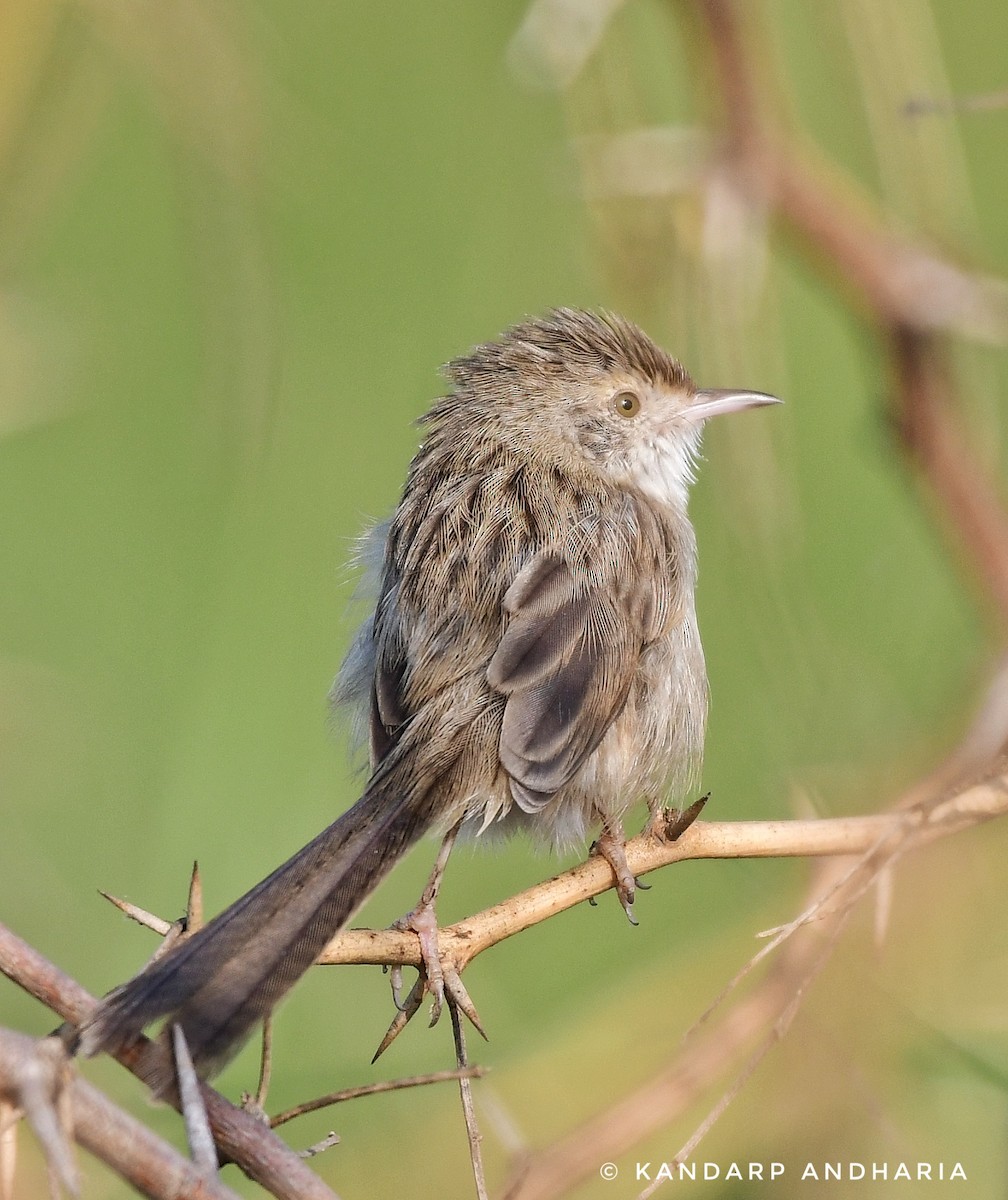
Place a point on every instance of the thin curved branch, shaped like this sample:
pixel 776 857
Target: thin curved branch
pixel 464 940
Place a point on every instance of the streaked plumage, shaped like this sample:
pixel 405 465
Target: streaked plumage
pixel 533 659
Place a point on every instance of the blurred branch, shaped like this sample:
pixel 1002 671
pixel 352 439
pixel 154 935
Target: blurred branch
pixel 246 1141
pixel 707 1053
pixel 911 293
pixel 926 106
pixel 901 282
pixel 34 1076
pixel 37 1077
pixel 924 404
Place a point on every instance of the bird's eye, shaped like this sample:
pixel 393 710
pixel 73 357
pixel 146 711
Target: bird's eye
pixel 627 404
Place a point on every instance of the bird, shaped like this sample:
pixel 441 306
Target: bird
pixel 532 661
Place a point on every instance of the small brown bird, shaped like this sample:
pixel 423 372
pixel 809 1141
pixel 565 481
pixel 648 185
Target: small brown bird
pixel 533 659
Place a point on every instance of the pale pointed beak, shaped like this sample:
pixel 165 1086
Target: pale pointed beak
pixel 712 402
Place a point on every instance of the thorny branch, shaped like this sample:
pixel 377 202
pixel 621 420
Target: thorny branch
pixel 239 1136
pixel 35 1076
pixel 462 942
pixel 246 1141
pixel 915 298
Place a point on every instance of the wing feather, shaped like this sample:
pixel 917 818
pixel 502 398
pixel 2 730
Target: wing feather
pixel 566 662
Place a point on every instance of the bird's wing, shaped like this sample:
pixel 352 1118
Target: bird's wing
pixel 388 713
pixel 566 661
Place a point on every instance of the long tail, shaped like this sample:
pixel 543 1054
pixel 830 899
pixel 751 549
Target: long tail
pixel 218 983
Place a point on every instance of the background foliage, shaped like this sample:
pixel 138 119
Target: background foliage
pixel 236 241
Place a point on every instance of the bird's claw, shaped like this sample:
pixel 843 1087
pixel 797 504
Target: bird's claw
pixel 611 846
pixel 423 922
pixel 438 976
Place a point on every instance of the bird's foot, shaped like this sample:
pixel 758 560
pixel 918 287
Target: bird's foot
pixel 611 845
pixel 438 975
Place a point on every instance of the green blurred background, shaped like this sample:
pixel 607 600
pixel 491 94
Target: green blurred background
pixel 236 242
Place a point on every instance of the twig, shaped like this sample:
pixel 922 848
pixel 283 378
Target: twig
pixel 316 1148
pixel 9 1116
pixel 39 1078
pixel 34 1074
pixel 152 1167
pixel 197 1126
pixel 462 942
pixel 265 1064
pixel 468 1109
pixel 140 915
pixel 373 1089
pixel 238 1135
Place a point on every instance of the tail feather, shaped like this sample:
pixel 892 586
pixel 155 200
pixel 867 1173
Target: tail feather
pixel 218 983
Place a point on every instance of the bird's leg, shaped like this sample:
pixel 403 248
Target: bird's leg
pixel 611 845
pixel 422 920
pixel 437 975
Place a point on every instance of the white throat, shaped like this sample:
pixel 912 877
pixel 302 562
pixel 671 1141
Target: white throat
pixel 664 466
